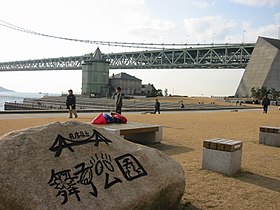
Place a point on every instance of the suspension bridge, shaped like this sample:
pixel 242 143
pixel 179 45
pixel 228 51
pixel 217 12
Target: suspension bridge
pixel 263 56
pixel 154 56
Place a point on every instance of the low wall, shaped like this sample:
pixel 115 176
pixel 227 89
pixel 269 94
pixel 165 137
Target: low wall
pixel 20 106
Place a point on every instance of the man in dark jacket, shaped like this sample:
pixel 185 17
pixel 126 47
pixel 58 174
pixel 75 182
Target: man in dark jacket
pixel 157 107
pixel 118 100
pixel 71 104
pixel 265 103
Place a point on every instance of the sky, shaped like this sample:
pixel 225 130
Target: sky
pixel 150 21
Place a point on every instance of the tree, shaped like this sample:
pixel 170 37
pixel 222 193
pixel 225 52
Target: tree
pixel 159 92
pixel 274 93
pixel 259 93
pixel 254 92
pixel 166 92
pixel 263 92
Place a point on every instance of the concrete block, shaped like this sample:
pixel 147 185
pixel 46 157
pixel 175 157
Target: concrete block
pixel 269 129
pixel 270 139
pixel 227 161
pixel 136 132
pixel 152 136
pixel 269 136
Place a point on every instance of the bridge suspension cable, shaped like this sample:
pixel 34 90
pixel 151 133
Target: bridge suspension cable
pixel 115 44
pixel 108 43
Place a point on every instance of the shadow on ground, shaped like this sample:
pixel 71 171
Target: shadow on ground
pixel 260 180
pixel 187 206
pixel 170 149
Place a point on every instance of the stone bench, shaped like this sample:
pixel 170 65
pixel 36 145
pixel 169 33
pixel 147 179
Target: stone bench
pixel 136 132
pixel 222 155
pixel 269 136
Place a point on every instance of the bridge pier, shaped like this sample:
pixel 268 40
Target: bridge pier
pixel 263 70
pixel 95 76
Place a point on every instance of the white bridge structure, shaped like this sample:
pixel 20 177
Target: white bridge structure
pixel 261 61
pixel 227 56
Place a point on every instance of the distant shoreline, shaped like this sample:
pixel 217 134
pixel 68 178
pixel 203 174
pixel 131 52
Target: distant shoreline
pixel 10 91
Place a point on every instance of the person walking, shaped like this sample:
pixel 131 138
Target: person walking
pixel 71 104
pixel 265 103
pixel 157 107
pixel 182 106
pixel 118 100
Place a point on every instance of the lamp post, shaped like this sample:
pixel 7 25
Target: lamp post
pixel 243 38
pixel 187 39
pixel 163 42
pixel 213 38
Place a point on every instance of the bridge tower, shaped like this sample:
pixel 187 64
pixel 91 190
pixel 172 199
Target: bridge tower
pixel 263 69
pixel 95 75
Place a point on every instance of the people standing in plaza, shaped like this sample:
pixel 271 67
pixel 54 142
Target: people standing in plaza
pixel 265 103
pixel 182 106
pixel 71 104
pixel 157 107
pixel 118 100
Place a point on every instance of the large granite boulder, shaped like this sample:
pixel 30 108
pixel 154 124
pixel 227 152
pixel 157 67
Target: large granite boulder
pixel 76 165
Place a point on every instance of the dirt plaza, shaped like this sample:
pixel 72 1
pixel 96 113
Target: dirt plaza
pixel 257 186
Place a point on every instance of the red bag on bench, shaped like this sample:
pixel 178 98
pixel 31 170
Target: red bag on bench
pixel 99 119
pixel 119 118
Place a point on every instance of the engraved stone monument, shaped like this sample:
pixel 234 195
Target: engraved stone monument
pixel 75 165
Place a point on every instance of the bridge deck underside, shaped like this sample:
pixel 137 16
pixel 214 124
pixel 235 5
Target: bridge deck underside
pixel 236 57
pixel 227 57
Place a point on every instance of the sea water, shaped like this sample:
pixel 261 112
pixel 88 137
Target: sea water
pixel 18 97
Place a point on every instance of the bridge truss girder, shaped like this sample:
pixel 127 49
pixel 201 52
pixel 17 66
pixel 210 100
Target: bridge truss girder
pixel 62 63
pixel 198 58
pixel 227 57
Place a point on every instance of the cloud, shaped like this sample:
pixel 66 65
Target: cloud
pixel 130 21
pixel 226 30
pixel 154 30
pixel 203 4
pixel 267 31
pixel 251 33
pixel 110 20
pixel 209 28
pixel 258 2
pixel 277 18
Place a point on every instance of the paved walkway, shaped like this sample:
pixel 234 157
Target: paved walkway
pixel 93 114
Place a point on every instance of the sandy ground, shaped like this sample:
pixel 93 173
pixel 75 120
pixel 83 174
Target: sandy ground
pixel 256 187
